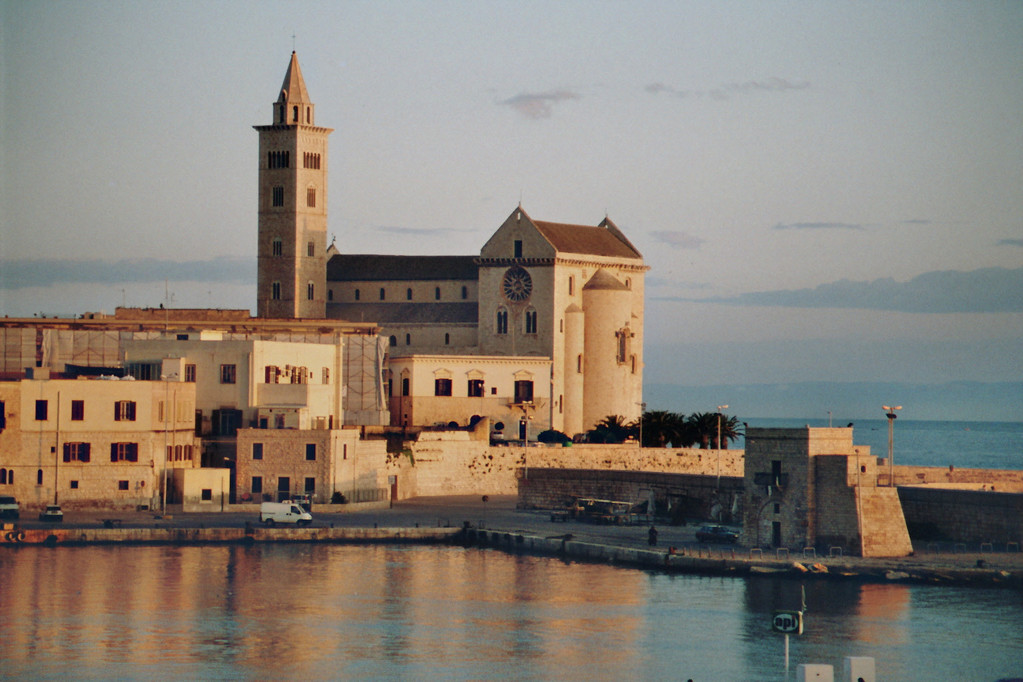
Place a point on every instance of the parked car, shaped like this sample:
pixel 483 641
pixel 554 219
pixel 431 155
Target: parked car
pixel 271 513
pixel 53 514
pixel 9 508
pixel 717 534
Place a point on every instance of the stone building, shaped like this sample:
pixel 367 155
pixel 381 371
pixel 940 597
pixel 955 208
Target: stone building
pixel 280 464
pixel 812 487
pixel 94 442
pixel 572 294
pixel 281 376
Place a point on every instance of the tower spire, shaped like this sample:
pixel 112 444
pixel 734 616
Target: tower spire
pixel 293 105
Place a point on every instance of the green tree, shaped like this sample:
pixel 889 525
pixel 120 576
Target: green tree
pixel 704 427
pixel 611 429
pixel 730 431
pixel 662 428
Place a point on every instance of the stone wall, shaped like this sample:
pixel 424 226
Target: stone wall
pixel 962 515
pixel 835 514
pixel 1005 480
pixel 679 496
pixel 453 463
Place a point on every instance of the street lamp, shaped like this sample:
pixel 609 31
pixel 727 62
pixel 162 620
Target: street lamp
pixel 720 407
pixel 642 411
pixel 890 413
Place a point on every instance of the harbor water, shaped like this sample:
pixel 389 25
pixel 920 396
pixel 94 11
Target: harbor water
pixel 416 612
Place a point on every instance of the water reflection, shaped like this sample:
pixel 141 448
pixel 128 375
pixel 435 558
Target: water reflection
pixel 319 611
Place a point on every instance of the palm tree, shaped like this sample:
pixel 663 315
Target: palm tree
pixel 611 429
pixel 704 426
pixel 661 428
pixel 730 430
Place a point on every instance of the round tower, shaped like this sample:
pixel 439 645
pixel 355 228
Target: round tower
pixel 607 354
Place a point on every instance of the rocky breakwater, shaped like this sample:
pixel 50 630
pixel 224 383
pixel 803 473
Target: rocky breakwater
pixel 741 562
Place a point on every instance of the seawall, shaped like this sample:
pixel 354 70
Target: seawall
pixel 738 562
pixel 254 534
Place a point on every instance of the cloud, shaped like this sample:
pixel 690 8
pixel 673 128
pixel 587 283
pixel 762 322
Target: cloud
pixel 677 240
pixel 988 290
pixel 397 229
pixel 538 105
pixel 819 226
pixel 43 272
pixel 725 91
pixel 1010 242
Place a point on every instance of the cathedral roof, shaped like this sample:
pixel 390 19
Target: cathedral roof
pixel 379 268
pixel 603 240
pixel 406 313
pixel 594 241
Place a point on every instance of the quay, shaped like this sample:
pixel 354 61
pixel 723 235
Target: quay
pixel 498 524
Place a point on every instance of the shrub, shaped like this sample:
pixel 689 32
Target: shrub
pixel 552 436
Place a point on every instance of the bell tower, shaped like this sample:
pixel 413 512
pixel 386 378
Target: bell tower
pixel 292 279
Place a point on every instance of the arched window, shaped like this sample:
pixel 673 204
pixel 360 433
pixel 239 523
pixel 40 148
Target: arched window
pixel 330 294
pixel 393 341
pixel 436 293
pixel 3 476
pixel 465 293
pixel 502 321
pixel 275 291
pixel 310 291
pixel 308 114
pixel 408 294
pixel 39 477
pixel 280 115
pixel 356 294
pixel 447 339
pixel 383 294
pixel 530 321
pixel 294 114
pixel 408 339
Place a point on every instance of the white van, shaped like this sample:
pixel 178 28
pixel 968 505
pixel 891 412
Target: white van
pixel 283 512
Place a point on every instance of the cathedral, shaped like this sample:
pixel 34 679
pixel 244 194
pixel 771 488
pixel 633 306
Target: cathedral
pixel 544 328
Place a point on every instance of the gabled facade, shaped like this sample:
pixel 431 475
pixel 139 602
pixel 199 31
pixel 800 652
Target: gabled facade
pixel 570 294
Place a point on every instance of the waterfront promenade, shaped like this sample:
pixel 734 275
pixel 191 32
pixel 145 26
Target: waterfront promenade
pixel 499 524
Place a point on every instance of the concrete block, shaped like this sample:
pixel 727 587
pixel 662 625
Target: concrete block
pixel 858 669
pixel 815 672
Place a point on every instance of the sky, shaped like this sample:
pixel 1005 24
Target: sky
pixel 824 191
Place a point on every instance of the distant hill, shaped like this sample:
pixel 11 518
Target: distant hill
pixel 960 400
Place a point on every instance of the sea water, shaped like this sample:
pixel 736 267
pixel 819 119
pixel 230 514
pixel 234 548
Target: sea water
pixel 318 611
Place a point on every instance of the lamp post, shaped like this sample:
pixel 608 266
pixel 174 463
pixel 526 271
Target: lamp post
pixel 720 407
pixel 890 413
pixel 642 412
